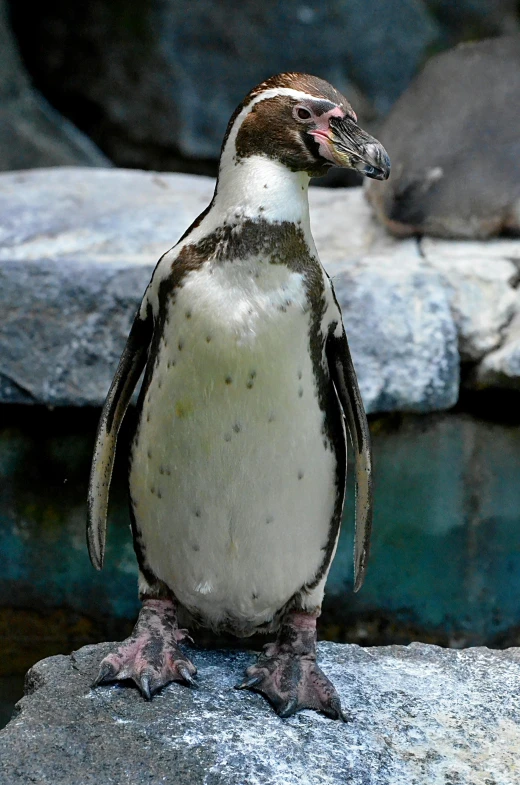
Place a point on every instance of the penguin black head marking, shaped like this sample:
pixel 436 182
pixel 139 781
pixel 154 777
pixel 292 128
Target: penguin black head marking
pixel 307 125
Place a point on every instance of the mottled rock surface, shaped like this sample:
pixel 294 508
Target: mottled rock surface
pixel 419 714
pixel 455 149
pixel 32 133
pixel 78 246
pixel 481 279
pixel 401 331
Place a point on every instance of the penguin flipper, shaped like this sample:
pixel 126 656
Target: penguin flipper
pixel 129 370
pixel 343 375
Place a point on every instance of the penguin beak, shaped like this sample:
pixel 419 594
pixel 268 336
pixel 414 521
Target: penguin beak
pixel 346 144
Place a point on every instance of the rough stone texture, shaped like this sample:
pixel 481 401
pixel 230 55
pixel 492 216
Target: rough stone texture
pixel 401 331
pixel 480 279
pixel 419 714
pixel 32 133
pixel 501 368
pixel 153 80
pixel 77 248
pixel 455 150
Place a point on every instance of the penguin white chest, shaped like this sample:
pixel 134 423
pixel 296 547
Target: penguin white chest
pixel 232 480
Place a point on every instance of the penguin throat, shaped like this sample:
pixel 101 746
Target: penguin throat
pixel 260 187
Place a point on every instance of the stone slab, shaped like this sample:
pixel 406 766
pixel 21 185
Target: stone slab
pixel 78 246
pixel 418 714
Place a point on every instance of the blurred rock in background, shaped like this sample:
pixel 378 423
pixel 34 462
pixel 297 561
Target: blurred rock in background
pixel 454 142
pixel 154 83
pixel 32 133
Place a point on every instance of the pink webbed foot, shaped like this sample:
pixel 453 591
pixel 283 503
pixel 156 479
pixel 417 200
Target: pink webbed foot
pixel 150 657
pixel 286 672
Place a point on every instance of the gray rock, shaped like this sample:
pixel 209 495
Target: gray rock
pixel 455 156
pixel 77 248
pixel 501 368
pixel 162 79
pixel 480 279
pixel 419 714
pixel 401 331
pixel 32 133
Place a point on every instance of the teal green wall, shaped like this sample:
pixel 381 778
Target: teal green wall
pixel 445 561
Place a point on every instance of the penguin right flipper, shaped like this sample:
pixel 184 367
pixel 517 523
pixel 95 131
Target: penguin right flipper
pixel 131 365
pixel 343 375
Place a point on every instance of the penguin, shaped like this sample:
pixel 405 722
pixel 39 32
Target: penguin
pixel 237 465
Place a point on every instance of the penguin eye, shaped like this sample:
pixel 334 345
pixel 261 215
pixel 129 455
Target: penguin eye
pixel 302 113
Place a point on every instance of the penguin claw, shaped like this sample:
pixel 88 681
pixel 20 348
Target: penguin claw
pixel 151 657
pixel 187 676
pixel 107 673
pixel 288 709
pixel 305 686
pixel 144 684
pixel 249 683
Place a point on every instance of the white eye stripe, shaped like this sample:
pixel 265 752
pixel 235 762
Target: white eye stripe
pixel 273 92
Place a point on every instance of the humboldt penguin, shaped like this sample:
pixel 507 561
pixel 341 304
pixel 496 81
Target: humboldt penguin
pixel 238 460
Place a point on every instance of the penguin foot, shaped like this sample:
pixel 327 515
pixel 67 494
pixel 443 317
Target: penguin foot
pixel 150 657
pixel 287 674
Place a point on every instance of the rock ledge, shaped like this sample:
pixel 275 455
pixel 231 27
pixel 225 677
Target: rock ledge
pixel 420 714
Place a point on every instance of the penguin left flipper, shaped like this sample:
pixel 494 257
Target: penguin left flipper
pixel 129 370
pixel 343 374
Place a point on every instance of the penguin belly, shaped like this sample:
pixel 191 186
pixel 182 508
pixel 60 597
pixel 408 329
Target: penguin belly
pixel 232 480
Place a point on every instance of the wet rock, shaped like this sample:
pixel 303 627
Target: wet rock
pixel 158 80
pixel 32 133
pixel 455 158
pixel 77 248
pixel 418 714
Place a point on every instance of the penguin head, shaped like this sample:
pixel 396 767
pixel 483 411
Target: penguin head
pixel 307 125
